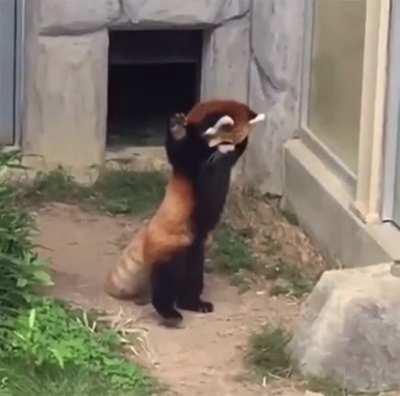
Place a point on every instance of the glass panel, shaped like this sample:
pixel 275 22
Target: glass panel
pixel 336 76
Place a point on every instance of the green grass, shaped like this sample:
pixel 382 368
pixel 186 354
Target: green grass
pixel 46 348
pixel 21 271
pixel 231 252
pixel 135 193
pixel 232 255
pixel 20 378
pixel 49 343
pixel 288 279
pixel 267 352
pixel 115 191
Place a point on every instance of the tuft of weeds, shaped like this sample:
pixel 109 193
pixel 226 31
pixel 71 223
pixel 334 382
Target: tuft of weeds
pixel 267 353
pixel 241 281
pixel 290 217
pixel 117 191
pixel 21 271
pixel 232 255
pixel 270 360
pixel 128 192
pixel 54 186
pixel 325 386
pixel 289 279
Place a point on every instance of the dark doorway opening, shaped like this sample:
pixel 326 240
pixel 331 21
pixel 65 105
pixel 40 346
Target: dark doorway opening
pixel 152 74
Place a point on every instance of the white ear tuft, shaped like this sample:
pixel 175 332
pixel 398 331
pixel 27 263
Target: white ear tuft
pixel 211 131
pixel 226 148
pixel 259 118
pixel 225 120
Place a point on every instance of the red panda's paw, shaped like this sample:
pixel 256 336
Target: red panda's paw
pixel 205 307
pixel 172 318
pixel 177 126
pixel 199 306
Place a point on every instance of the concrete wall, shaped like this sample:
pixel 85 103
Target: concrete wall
pixel 252 53
pixel 67 66
pixel 322 205
pixel 274 88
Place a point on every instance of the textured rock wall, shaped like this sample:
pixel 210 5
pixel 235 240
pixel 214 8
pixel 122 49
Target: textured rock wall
pixel 63 17
pixel 67 55
pixel 276 58
pixel 178 13
pixel 226 61
pixel 73 71
pixel 252 53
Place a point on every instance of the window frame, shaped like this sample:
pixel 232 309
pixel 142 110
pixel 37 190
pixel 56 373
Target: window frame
pixel 364 187
pixel 313 142
pixel 392 140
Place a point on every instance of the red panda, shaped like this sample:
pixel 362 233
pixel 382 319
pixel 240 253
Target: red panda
pixel 166 256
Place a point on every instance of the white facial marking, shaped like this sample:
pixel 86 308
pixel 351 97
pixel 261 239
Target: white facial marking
pixel 225 120
pixel 215 142
pixel 259 118
pixel 226 148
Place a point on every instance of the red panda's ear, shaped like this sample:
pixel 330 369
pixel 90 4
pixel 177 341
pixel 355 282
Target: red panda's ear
pixel 257 119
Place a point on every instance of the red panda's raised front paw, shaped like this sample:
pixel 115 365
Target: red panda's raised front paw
pixel 177 126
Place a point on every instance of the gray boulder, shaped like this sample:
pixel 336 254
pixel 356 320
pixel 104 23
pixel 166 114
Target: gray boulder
pixel 350 329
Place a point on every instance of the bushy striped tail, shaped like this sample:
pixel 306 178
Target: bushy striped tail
pixel 130 277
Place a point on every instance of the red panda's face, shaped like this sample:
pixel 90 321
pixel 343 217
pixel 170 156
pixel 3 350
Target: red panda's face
pixel 226 134
pixel 220 124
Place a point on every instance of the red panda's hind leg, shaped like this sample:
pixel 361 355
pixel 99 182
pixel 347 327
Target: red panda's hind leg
pixel 164 282
pixel 191 286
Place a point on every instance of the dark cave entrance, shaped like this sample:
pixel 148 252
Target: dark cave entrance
pixel 152 74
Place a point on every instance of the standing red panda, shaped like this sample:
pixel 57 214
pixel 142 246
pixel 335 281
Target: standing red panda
pixel 166 256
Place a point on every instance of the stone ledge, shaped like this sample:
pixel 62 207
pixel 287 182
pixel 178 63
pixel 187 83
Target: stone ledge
pixel 178 13
pixel 311 189
pixel 63 17
pixel 73 17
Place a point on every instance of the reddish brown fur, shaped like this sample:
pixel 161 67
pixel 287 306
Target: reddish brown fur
pixel 167 232
pixel 239 112
pixel 170 230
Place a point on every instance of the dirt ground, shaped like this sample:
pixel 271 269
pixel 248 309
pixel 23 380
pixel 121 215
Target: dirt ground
pixel 206 356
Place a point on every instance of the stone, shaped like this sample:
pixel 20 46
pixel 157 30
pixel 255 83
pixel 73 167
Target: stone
pixel 350 330
pixel 226 61
pixel 275 71
pixel 67 112
pixel 59 17
pixel 193 13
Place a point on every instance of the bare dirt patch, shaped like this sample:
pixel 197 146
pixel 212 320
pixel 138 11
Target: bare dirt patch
pixel 206 357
